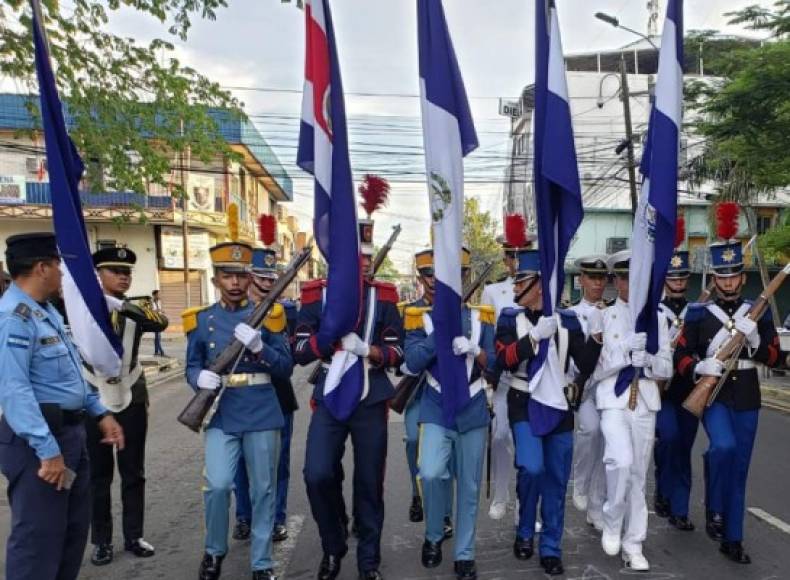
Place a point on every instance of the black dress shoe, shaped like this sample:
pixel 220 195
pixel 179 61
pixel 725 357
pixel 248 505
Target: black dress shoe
pixel 102 554
pixel 371 575
pixel 330 567
pixel 523 549
pixel 448 528
pixel 431 554
pixel 210 567
pixel 267 574
pixel 242 530
pixel 734 551
pixel 415 510
pixel 465 570
pixel 140 548
pixel 279 533
pixel 552 565
pixel 682 523
pixel 661 506
pixel 714 526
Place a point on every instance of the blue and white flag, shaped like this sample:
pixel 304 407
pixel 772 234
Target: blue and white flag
pixel 558 203
pixel 323 152
pixel 85 303
pixel 448 136
pixel 653 238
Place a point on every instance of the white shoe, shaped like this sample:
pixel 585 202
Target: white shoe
pixel 580 502
pixel 497 510
pixel 636 562
pixel 610 543
pixel 595 522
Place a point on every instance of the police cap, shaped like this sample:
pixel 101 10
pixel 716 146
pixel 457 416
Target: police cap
pixel 33 246
pixel 114 258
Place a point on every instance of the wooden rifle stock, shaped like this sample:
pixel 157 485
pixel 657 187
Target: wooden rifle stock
pixel 707 389
pixel 405 388
pixel 198 407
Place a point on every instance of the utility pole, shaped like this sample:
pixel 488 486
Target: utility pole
pixel 629 132
pixel 185 223
pixel 751 219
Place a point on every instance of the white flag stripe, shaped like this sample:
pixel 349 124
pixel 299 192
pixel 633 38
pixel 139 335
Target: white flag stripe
pixel 558 84
pixel 668 99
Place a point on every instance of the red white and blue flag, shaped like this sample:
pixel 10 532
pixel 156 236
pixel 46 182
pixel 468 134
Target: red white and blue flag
pixel 323 152
pixel 653 238
pixel 448 136
pixel 558 204
pixel 85 304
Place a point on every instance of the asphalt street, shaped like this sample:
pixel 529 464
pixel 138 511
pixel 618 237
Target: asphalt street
pixel 174 521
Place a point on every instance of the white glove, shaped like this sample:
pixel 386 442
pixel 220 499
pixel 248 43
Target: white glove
pixel 749 328
pixel 595 321
pixel 545 328
pixel 636 341
pixel 641 359
pixel 462 345
pixel 249 337
pixel 352 343
pixel 711 367
pixel 113 303
pixel 208 380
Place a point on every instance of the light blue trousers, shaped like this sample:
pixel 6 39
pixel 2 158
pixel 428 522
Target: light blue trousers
pixel 440 450
pixel 410 417
pixel 261 451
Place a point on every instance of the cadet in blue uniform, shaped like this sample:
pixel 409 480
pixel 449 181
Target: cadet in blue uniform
pixel 731 421
pixel 367 425
pixel 454 451
pixel 424 263
pixel 264 275
pixel 45 402
pixel 676 428
pixel 248 419
pixel 542 432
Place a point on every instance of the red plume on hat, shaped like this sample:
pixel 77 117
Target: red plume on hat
pixel 267 227
pixel 374 190
pixel 680 231
pixel 727 220
pixel 516 231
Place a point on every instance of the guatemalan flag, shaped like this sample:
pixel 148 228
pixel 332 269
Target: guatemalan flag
pixel 323 152
pixel 448 136
pixel 558 203
pixel 652 241
pixel 85 304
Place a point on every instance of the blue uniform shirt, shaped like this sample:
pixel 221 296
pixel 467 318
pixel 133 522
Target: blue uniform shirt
pixel 241 409
pixel 40 364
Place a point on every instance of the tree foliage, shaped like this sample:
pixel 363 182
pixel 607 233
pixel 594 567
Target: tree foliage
pixel 128 103
pixel 387 271
pixel 480 232
pixel 775 243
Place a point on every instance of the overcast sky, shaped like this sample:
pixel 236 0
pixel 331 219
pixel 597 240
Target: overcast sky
pixel 260 43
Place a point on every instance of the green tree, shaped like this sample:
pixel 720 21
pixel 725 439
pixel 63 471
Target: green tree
pixel 775 243
pixel 480 231
pixel 387 271
pixel 131 106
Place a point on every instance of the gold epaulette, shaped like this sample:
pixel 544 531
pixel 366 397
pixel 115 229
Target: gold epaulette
pixel 402 307
pixel 189 318
pixel 412 317
pixel 487 313
pixel 275 321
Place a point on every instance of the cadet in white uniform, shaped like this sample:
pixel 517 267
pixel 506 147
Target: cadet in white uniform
pixel 628 433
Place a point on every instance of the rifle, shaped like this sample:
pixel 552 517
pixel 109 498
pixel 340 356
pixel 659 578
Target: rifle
pixel 707 389
pixel 375 267
pixel 204 403
pixel 408 384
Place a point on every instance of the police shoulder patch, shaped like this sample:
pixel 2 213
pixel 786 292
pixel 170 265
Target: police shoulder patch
pixel 23 311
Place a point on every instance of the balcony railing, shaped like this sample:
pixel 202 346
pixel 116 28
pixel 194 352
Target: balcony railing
pixel 40 194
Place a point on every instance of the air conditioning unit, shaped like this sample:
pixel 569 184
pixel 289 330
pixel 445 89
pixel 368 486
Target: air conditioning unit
pixel 616 245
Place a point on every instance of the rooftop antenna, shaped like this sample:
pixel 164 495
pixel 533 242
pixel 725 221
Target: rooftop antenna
pixel 654 9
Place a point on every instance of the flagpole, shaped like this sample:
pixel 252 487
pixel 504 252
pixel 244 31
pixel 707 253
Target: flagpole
pixel 185 223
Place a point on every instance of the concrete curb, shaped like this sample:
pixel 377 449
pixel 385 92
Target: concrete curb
pixel 165 376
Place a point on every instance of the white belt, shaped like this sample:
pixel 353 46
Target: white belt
pixel 246 379
pixel 519 383
pixel 744 365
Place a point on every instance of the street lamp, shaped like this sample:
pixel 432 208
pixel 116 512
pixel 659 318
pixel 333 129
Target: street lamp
pixel 611 20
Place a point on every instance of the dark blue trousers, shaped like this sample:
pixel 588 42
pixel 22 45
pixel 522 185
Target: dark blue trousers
pixel 49 528
pixel 676 430
pixel 544 467
pixel 326 441
pixel 731 435
pixel 242 483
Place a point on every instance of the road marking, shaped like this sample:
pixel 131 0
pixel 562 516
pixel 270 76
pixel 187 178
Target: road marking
pixel 283 551
pixel 768 518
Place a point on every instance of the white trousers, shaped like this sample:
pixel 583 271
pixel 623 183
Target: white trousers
pixel 589 478
pixel 628 439
pixel 502 449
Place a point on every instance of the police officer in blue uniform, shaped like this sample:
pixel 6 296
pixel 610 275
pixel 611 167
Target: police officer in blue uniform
pixel 367 425
pixel 676 428
pixel 731 421
pixel 264 275
pixel 455 451
pixel 542 432
pixel 248 418
pixel 45 402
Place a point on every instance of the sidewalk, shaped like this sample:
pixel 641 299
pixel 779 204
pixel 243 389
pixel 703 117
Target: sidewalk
pixel 158 369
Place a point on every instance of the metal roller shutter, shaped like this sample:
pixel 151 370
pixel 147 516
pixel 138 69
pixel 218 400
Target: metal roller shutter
pixel 171 292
